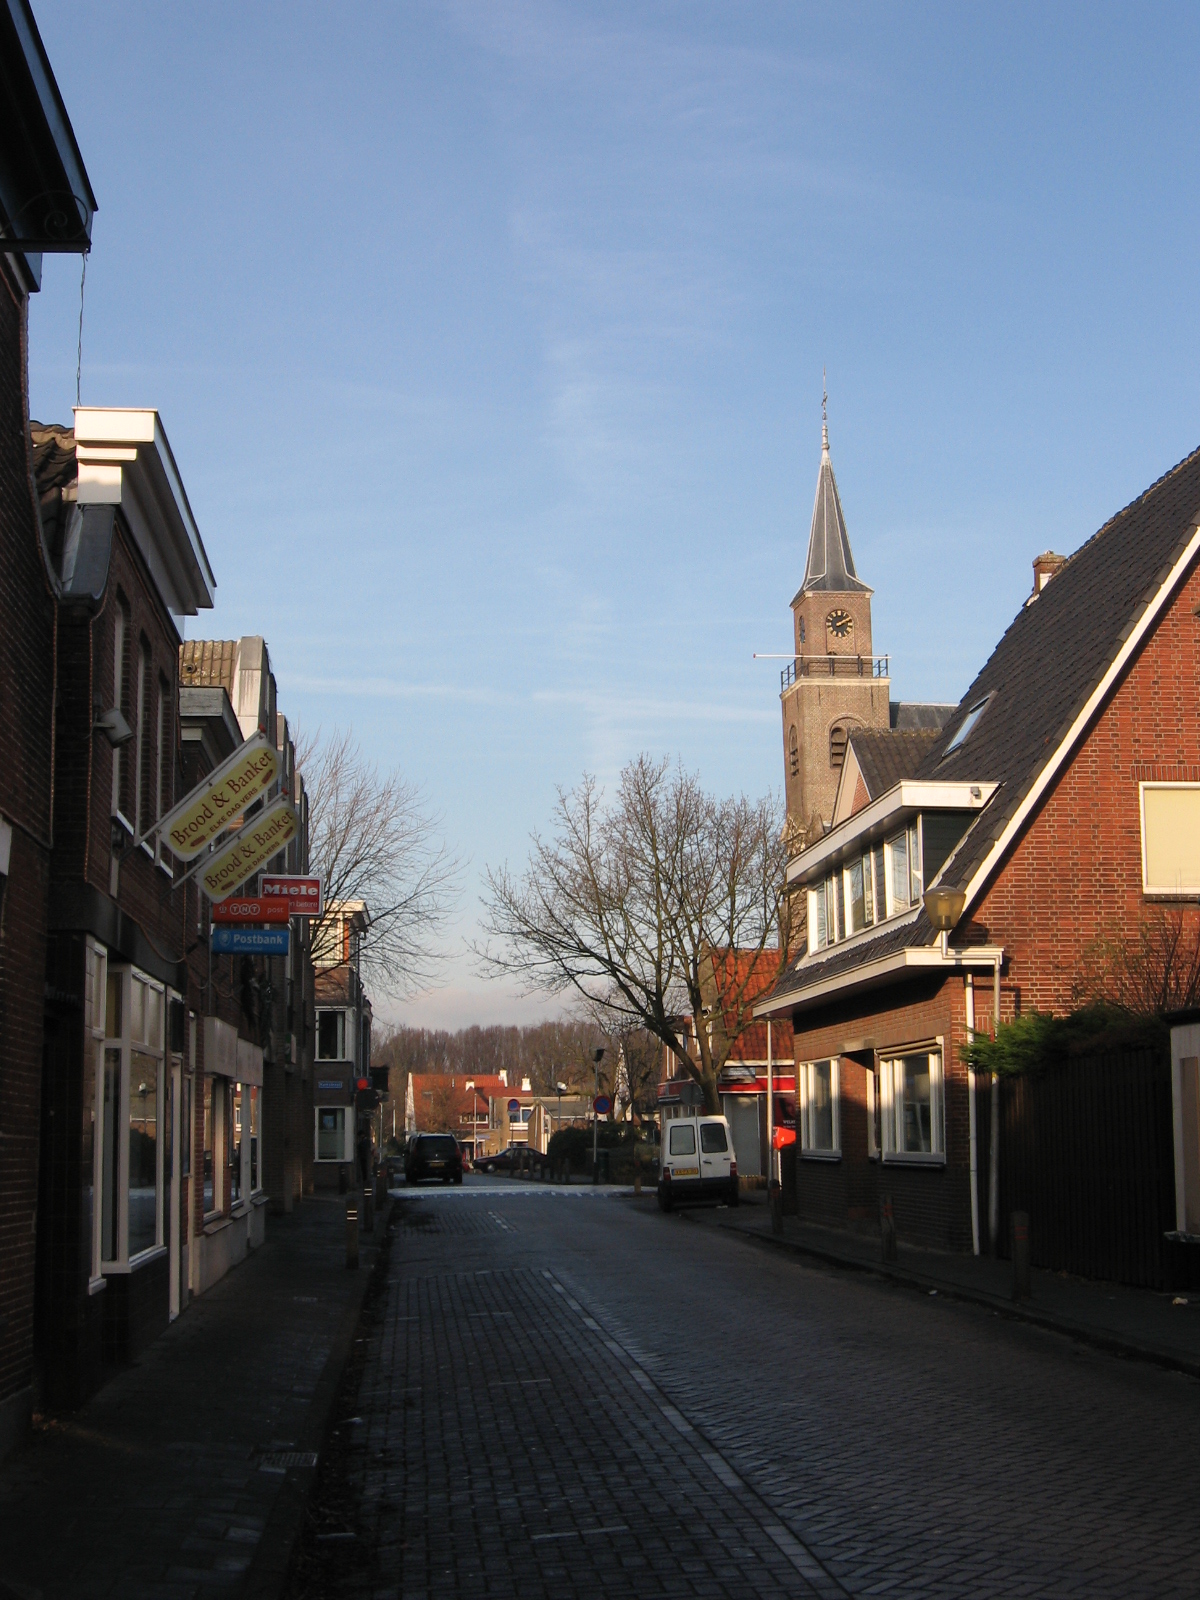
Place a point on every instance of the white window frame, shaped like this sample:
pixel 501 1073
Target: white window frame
pixel 805 1079
pixel 338 1011
pixel 936 1156
pixel 872 1112
pixel 95 999
pixel 1174 891
pixel 156 1049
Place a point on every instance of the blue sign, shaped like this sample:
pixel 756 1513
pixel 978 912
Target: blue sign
pixel 250 941
pixel 514 1108
pixel 601 1105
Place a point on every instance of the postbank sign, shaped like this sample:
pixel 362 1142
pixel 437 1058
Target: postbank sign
pixel 235 784
pixel 257 841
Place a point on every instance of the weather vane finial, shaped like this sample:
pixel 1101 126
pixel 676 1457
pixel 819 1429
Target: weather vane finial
pixel 824 413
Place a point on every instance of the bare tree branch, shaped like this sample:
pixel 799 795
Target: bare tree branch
pixel 631 906
pixel 372 840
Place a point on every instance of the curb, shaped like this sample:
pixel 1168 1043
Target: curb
pixel 267 1572
pixel 1110 1343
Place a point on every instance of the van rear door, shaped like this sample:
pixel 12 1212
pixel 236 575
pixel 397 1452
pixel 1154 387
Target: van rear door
pixel 714 1149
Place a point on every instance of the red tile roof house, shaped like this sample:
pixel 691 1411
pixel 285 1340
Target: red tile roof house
pixel 1062 801
pixel 452 1103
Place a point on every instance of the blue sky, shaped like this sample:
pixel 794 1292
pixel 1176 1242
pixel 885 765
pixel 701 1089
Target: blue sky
pixel 489 342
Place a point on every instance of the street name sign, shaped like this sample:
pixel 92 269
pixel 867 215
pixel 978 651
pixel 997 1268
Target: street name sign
pixel 250 941
pixel 220 798
pixel 304 894
pixel 262 908
pixel 256 842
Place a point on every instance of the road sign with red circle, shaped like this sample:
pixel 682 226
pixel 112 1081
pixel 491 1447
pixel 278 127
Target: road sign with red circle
pixel 601 1105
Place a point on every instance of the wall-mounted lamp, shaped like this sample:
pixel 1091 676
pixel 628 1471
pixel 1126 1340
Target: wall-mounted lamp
pixel 943 907
pixel 114 728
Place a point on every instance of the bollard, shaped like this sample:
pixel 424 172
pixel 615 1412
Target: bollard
pixel 352 1233
pixel 1019 1222
pixel 367 1209
pixel 637 1179
pixel 887 1229
pixel 381 1187
pixel 775 1205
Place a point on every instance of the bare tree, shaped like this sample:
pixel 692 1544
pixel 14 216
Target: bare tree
pixel 372 839
pixel 632 906
pixel 1149 971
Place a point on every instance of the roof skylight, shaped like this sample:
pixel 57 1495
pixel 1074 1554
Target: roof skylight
pixel 968 723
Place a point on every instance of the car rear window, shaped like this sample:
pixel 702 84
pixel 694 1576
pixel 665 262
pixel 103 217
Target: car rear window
pixel 683 1141
pixel 437 1148
pixel 712 1136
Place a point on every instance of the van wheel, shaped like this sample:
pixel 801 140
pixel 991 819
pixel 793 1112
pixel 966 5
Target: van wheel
pixel 458 1177
pixel 664 1201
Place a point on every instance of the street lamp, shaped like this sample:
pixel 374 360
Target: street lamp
pixel 943 907
pixel 598 1056
pixel 560 1089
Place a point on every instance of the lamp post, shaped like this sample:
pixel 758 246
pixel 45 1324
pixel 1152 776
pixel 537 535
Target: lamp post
pixel 560 1089
pixel 598 1057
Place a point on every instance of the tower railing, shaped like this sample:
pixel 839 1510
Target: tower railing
pixel 846 666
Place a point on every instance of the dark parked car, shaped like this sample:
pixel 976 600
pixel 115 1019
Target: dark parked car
pixel 434 1155
pixel 503 1162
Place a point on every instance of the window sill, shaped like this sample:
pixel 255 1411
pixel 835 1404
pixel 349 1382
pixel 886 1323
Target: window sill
pixel 820 1155
pixel 214 1221
pixel 120 1269
pixel 913 1159
pixel 97 1285
pixel 239 1208
pixel 167 870
pixel 260 1197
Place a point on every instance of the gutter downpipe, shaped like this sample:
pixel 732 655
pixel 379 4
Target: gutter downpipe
pixel 770 1108
pixel 971 1117
pixel 994 1130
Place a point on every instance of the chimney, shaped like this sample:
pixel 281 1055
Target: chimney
pixel 526 1086
pixel 1045 567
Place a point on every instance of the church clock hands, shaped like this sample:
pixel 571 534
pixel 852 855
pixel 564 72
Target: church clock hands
pixel 839 623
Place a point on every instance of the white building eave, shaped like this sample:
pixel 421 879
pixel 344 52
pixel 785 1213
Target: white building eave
pixel 892 968
pixel 904 800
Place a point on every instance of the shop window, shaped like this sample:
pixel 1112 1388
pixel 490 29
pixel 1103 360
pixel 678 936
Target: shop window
pixel 212 1114
pixel 110 1153
pixel 185 1129
pixel 128 1163
pixel 235 1147
pixel 331 1035
pixel 331 1133
pixel 255 1094
pixel 912 1111
pixel 820 1121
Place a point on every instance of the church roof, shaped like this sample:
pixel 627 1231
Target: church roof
pixel 830 564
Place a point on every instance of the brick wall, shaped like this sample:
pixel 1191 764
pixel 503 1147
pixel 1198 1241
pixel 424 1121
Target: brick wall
pixel 26 694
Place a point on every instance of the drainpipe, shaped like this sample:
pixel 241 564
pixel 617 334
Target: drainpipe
pixel 971 1117
pixel 994 1131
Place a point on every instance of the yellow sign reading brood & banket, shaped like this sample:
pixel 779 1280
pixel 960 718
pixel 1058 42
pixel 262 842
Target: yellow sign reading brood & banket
pixel 258 840
pixel 235 784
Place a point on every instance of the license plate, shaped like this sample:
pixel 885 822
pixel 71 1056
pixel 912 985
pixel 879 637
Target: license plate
pixel 437 1163
pixel 686 1172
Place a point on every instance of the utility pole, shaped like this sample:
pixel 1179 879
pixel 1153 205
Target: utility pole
pixel 599 1056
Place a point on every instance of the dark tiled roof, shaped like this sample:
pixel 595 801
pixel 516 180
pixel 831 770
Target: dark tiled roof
pixel 886 756
pixel 912 715
pixel 1039 677
pixel 830 564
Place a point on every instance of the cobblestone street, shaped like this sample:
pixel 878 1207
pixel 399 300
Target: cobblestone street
pixel 567 1393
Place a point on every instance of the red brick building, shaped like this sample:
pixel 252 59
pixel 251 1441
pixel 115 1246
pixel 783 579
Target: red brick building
pixel 1060 803
pixel 46 204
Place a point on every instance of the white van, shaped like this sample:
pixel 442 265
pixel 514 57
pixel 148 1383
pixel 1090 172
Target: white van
pixel 697 1161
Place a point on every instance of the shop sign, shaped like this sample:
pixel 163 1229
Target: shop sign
pixel 220 798
pixel 261 909
pixel 250 941
pixel 303 894
pixel 257 841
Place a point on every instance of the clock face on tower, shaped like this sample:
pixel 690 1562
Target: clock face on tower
pixel 839 623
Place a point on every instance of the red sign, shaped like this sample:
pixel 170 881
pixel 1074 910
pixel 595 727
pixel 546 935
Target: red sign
pixel 302 894
pixel 261 909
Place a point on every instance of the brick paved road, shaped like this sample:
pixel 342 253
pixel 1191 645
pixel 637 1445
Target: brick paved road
pixel 572 1395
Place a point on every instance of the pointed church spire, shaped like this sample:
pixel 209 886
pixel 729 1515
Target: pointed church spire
pixel 830 563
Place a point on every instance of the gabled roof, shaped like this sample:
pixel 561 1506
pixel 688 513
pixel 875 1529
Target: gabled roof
pixel 830 564
pixel 885 756
pixel 1059 660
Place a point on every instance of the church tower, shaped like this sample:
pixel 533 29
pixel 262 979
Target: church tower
pixel 834 683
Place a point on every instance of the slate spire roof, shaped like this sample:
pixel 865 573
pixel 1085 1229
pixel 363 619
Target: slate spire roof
pixel 830 563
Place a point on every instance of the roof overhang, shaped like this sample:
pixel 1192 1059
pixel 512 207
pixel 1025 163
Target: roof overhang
pixel 895 967
pixel 124 458
pixel 206 717
pixel 46 199
pixel 902 802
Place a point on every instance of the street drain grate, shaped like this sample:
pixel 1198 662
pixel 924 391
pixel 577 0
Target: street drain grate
pixel 281 1460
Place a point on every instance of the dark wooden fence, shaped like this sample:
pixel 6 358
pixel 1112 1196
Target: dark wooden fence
pixel 1087 1150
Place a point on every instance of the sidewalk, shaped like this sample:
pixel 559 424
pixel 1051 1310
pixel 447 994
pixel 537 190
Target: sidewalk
pixel 1129 1322
pixel 186 1474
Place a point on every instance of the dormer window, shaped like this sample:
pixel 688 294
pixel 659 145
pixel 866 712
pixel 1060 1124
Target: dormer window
pixel 884 881
pixel 968 725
